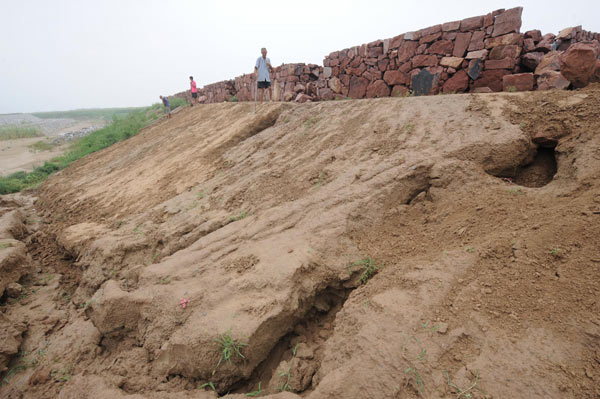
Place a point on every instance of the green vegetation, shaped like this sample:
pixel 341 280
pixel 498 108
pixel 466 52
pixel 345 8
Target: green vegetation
pixel 120 129
pixel 469 249
pixel 258 392
pixel 285 385
pixel 554 251
pixel 208 384
pixel 417 377
pixel 229 347
pixel 4 245
pixel 367 266
pixel 233 99
pixel 10 132
pixel 464 392
pixel 238 217
pixel 41 145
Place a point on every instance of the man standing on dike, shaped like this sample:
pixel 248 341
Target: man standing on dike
pixel 262 69
pixel 194 91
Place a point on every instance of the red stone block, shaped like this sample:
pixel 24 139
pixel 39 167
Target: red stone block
pixel 476 42
pixel 358 87
pixel 406 51
pixel 531 60
pixel 424 60
pixel 501 52
pixel 442 47
pixel 528 45
pixel 458 83
pixel 399 91
pixel 504 40
pixel 461 44
pixel 378 89
pixel 535 35
pixel 578 64
pixel 429 31
pixel 383 64
pixel 518 82
pixel 393 78
pixel 430 38
pixel 507 22
pixel 552 80
pixel 450 26
pixel 491 78
pixel 471 23
pixel 488 20
pixel 505 63
pixel 396 42
pixel 374 52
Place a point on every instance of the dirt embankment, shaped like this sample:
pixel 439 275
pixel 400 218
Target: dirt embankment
pixel 391 248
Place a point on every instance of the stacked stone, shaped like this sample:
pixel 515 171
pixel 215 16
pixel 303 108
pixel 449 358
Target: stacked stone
pixel 559 61
pixel 453 57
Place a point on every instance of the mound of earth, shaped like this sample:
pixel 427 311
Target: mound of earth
pixel 437 247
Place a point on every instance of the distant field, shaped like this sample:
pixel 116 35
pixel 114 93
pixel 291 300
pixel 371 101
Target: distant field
pixel 92 113
pixel 10 132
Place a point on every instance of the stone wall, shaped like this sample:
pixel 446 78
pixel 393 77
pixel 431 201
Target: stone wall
pixel 485 53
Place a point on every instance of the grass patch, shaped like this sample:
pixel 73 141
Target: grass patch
pixel 11 132
pixel 258 392
pixel 91 113
pixel 120 129
pixel 209 385
pixel 4 245
pixel 229 347
pixel 366 266
pixel 40 146
pixel 418 380
pixel 241 216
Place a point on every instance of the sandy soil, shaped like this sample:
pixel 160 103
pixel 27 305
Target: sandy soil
pixel 389 248
pixel 15 155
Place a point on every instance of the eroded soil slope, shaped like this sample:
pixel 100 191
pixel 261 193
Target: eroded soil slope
pixel 389 248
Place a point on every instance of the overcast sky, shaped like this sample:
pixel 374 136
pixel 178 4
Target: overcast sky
pixel 68 54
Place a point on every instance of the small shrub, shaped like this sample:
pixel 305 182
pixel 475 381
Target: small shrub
pixel 368 268
pixel 233 99
pixel 229 347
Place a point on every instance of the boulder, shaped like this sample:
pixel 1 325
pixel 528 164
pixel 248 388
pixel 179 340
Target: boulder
pixel 491 78
pixel 424 60
pixel 481 54
pixel 552 80
pixel 13 290
pixel 458 83
pixel 471 23
pixel 507 22
pixel 451 62
pixel 475 67
pixel 450 26
pixel 504 40
pixel 535 35
pixel 528 45
pixel 326 72
pixel 549 62
pixel 335 85
pixel 578 64
pixel 568 33
pixel 424 83
pixel 326 94
pixel 393 78
pixel 476 42
pixel 461 43
pixel 430 38
pixel 501 52
pixel 378 89
pixel 406 51
pixel 505 63
pixel 442 47
pixel 482 90
pixel 545 45
pixel 302 98
pixel 358 87
pixel 532 60
pixel 518 82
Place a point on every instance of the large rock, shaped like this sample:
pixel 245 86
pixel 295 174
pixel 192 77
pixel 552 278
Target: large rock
pixel 424 60
pixel 476 42
pixel 505 63
pixel 378 89
pixel 406 51
pixel 452 62
pixel 472 23
pixel 500 52
pixel 424 83
pixel 481 54
pixel 532 60
pixel 458 83
pixel 518 82
pixel 393 78
pixel 358 87
pixel 549 62
pixel 326 94
pixel 552 80
pixel 507 22
pixel 504 40
pixel 578 64
pixel 302 98
pixel 442 47
pixel 326 72
pixel 535 35
pixel 491 78
pixel 461 43
pixel 335 84
pixel 475 67
pixel 399 91
pixel 451 26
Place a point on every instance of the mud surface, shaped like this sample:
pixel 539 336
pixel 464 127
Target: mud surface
pixel 389 248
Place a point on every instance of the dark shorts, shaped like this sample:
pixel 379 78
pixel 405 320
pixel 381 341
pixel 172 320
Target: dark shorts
pixel 195 95
pixel 264 85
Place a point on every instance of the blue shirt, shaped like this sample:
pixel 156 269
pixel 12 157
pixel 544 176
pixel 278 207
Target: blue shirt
pixel 263 69
pixel 166 102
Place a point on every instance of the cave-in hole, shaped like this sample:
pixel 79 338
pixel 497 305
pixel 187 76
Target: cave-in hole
pixel 538 173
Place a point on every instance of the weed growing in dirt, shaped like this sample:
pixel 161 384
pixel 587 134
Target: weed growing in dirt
pixel 554 251
pixel 516 191
pixel 201 194
pixel 258 392
pixel 4 245
pixel 208 384
pixel 165 280
pixel 310 122
pixel 512 89
pixel 238 217
pixel 367 266
pixel 233 99
pixel 469 249
pixel 464 392
pixel 62 375
pixel 229 347
pixel 285 385
pixel 418 380
pixel 409 127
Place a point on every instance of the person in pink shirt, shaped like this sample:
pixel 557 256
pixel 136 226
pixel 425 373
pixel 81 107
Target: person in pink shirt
pixel 194 91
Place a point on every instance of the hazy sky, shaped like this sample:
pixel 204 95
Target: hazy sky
pixel 66 54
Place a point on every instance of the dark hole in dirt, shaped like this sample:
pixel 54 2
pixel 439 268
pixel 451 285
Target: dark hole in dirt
pixel 536 174
pixel 298 354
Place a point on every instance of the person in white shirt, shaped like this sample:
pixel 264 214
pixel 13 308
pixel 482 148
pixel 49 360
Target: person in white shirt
pixel 262 69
